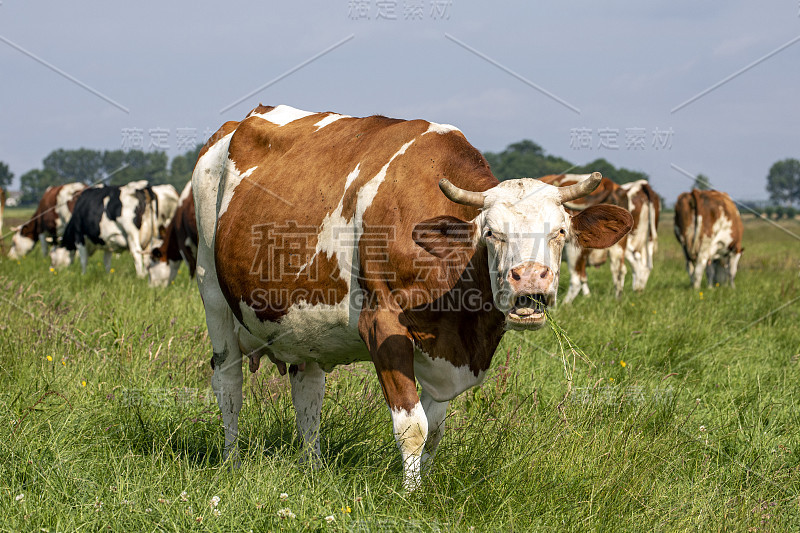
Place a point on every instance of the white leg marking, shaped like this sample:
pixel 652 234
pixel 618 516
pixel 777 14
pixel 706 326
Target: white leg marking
pixel 410 433
pixel 308 390
pixel 107 260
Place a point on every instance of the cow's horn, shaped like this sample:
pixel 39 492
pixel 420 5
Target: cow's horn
pixel 461 196
pixel 580 189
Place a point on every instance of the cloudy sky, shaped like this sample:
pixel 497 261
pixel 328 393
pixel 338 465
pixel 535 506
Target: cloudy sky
pixel 666 87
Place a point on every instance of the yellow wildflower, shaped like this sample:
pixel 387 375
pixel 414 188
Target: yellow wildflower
pixel 83 383
pixel 49 357
pixel 623 364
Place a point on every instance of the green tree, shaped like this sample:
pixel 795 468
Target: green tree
pixel 34 182
pixel 134 165
pixel 182 166
pixel 783 182
pixel 75 165
pixel 702 182
pixel 524 159
pixel 6 176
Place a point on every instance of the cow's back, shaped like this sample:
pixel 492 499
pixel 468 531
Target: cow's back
pixel 311 210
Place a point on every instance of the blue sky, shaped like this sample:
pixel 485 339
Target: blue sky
pixel 583 79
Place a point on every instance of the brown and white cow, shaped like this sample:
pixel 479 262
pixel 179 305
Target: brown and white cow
pixel 48 222
pixel 637 248
pixel 168 200
pixel 179 244
pixel 112 218
pixel 327 239
pixel 709 228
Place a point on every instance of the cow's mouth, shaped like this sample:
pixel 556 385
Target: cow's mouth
pixel 528 312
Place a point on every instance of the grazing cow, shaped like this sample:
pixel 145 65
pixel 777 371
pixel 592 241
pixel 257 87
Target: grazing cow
pixel 638 247
pixel 709 228
pixel 113 218
pixel 180 243
pixel 327 239
pixel 167 205
pixel 48 222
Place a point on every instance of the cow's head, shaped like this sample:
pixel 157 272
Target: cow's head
pixel 161 269
pixel 20 245
pixel 524 226
pixel 60 257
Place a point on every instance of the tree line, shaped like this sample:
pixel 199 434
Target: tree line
pixel 521 159
pixel 111 167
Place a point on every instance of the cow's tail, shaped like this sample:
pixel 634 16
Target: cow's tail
pixel 695 199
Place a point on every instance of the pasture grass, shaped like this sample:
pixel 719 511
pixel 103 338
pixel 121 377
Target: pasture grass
pixel 685 416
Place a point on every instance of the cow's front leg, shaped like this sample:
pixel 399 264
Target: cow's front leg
pixel 393 355
pixel 616 260
pixel 84 256
pixel 43 243
pixel 435 413
pixel 107 260
pixel 577 272
pixel 308 389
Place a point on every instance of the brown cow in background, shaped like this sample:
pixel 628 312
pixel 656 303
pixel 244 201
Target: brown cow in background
pixel 709 228
pixel 48 222
pixel 638 247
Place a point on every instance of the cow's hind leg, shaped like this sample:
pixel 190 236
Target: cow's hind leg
pixel 308 390
pixel 436 413
pixel 226 360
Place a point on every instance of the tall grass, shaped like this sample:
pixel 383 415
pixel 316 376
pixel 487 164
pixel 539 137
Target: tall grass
pixel 685 417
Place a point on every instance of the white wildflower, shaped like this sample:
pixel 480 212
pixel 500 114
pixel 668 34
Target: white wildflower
pixel 214 501
pixel 330 518
pixel 283 496
pixel 286 513
pixel 20 497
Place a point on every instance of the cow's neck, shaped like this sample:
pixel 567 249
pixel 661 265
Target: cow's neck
pixel 463 327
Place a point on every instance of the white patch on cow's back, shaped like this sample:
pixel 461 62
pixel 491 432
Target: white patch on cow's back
pixel 232 180
pixel 330 119
pixel 63 197
pixel 441 379
pixel 441 129
pixel 283 115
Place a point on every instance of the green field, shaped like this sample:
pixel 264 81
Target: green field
pixel 686 417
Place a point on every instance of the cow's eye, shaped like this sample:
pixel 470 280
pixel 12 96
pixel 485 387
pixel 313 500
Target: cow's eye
pixel 562 231
pixel 489 234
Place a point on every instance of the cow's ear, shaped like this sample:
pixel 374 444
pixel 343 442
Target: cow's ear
pixel 600 226
pixel 444 236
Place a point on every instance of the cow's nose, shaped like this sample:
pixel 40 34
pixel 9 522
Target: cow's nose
pixel 530 277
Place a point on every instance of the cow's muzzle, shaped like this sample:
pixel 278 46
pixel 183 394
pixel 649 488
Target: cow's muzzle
pixel 529 311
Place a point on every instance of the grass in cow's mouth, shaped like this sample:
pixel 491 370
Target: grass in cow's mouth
pixel 564 340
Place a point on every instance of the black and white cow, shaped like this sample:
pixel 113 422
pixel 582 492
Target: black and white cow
pixel 113 218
